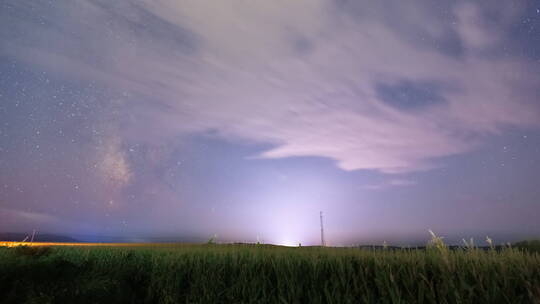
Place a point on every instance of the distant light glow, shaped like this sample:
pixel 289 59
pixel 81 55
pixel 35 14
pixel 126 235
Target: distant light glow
pixel 288 242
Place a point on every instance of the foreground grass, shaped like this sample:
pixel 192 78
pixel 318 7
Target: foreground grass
pixel 266 274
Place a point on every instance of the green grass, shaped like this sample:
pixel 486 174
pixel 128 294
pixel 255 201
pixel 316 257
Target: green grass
pixel 267 274
pixel 530 246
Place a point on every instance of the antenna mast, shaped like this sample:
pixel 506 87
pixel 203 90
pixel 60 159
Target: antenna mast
pixel 323 242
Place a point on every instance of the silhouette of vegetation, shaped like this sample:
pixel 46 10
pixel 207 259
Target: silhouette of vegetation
pixel 36 251
pixel 182 273
pixel 530 246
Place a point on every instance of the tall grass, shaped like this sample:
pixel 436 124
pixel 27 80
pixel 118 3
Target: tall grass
pixel 268 274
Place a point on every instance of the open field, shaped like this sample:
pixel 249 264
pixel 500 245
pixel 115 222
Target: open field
pixel 184 273
pixel 81 244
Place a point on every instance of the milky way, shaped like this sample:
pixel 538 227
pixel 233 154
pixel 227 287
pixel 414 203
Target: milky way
pixel 149 120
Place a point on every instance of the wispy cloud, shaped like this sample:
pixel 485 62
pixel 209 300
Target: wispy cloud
pixel 21 220
pixel 21 215
pixel 402 182
pixel 305 76
pixel 390 183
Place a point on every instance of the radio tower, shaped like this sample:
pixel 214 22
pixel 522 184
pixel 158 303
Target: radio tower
pixel 323 242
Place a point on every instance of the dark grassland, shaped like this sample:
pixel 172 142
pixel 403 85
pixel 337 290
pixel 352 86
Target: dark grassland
pixel 267 274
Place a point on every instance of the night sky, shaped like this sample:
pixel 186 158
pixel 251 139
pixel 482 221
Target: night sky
pixel 154 120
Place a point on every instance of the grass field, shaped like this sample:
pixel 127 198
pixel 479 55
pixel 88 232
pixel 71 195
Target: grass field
pixel 266 274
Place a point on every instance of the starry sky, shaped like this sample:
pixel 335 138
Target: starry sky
pixel 153 120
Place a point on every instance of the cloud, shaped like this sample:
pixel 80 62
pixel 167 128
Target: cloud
pixel 304 76
pixel 391 183
pixel 27 216
pixel 402 182
pixel 25 220
pixel 21 220
pixel 472 28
